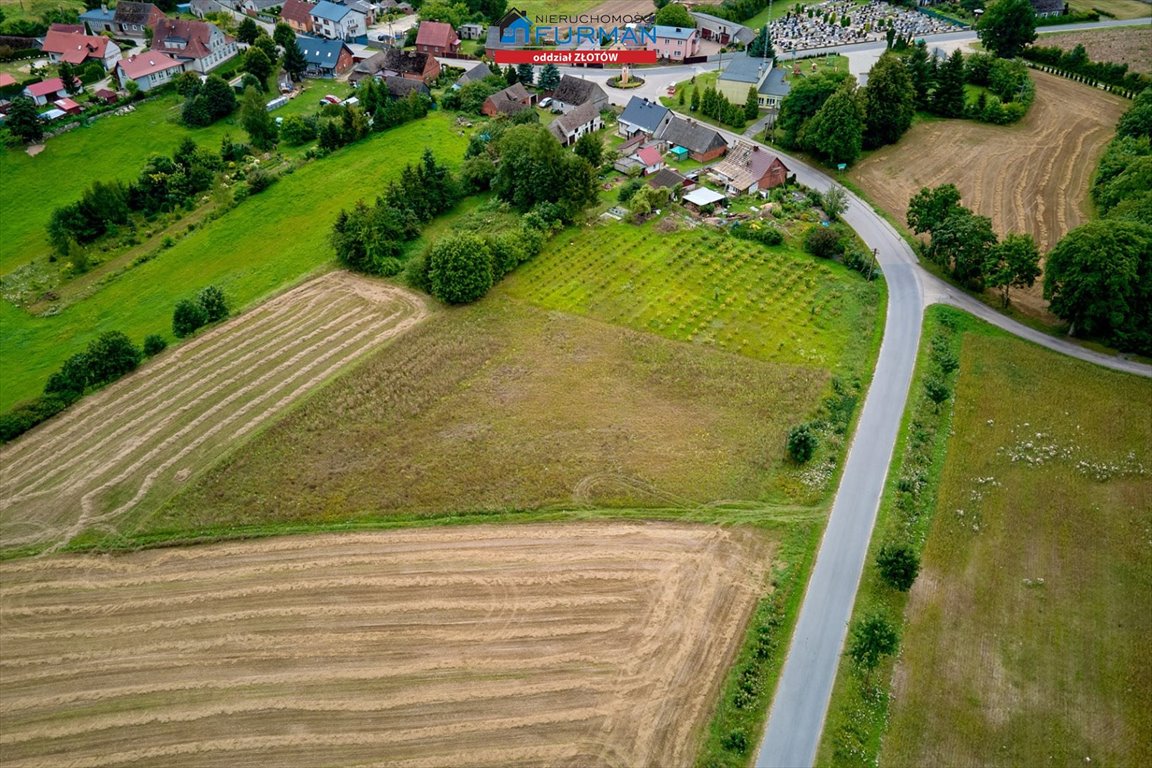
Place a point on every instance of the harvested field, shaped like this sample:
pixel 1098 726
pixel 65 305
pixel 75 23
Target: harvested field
pixel 1131 45
pixel 1032 177
pixel 131 445
pixel 584 644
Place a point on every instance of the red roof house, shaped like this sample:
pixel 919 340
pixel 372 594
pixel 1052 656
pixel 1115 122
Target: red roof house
pixel 651 158
pixel 199 45
pixel 437 38
pixel 6 80
pixel 77 47
pixel 148 70
pixel 46 91
pixel 68 106
pixel 298 15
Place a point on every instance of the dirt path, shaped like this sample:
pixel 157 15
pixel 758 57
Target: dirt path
pixel 138 440
pixel 1033 177
pixel 561 645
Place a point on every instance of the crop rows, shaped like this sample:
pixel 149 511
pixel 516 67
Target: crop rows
pixel 135 442
pixel 578 644
pixel 769 304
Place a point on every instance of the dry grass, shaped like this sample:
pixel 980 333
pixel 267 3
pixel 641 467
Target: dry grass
pixel 1121 9
pixel 1129 45
pixel 501 406
pixel 1032 177
pixel 129 447
pixel 1027 632
pixel 585 644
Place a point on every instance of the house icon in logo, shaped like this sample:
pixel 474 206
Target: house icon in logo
pixel 515 28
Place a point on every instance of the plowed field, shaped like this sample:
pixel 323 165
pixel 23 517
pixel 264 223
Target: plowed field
pixel 1032 177
pixel 137 441
pixel 586 644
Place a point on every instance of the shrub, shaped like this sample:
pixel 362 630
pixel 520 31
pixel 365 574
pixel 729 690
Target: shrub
pixel 213 303
pixel 824 242
pixel 259 180
pixel 460 269
pixel 802 443
pixel 899 565
pixel 936 388
pixel 154 344
pixel 760 233
pixel 628 189
pixel 187 318
pixel 872 638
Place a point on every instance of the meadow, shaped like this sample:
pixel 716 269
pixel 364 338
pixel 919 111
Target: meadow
pixel 1022 642
pixel 34 9
pixel 266 243
pixel 112 147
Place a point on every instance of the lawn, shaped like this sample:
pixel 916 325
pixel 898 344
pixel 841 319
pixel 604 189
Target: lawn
pixel 699 285
pixel 113 147
pixel 264 244
pixel 1022 643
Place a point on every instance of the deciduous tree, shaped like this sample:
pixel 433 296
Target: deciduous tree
pixel 257 121
pixel 889 102
pixel 872 638
pixel 675 15
pixel 24 121
pixel 460 268
pixel 836 132
pixel 1013 263
pixel 930 206
pixel 1007 27
pixel 247 31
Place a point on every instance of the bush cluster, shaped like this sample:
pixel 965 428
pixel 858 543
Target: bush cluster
pixel 190 315
pixel 1076 61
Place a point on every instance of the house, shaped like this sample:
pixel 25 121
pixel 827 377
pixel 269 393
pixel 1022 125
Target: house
pixel 298 15
pixel 472 31
pixel 437 39
pixel 326 58
pixel 69 106
pixel 257 7
pixel 674 43
pixel 399 87
pixel 148 70
pixel 650 159
pixel 68 29
pixel 199 45
pixel 572 92
pixel 410 64
pixel 45 91
pixel 366 8
pixel 99 20
pixel 1048 7
pixel 630 146
pixel 473 75
pixel 703 143
pixel 642 116
pixel 744 72
pixel 515 98
pixel 571 126
pixel 748 169
pixel 337 22
pixel 721 30
pixel 77 48
pixel 666 178
pixel 702 197
pixel 133 19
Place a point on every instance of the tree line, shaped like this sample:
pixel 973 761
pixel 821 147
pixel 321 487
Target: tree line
pixel 1077 62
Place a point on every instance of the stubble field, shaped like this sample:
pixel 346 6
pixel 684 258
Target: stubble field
pixel 1032 177
pixel 1131 45
pixel 560 645
pixel 128 447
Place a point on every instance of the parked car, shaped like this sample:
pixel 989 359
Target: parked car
pixel 545 102
pixel 330 99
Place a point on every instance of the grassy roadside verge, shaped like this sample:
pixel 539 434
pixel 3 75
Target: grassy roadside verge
pixel 858 711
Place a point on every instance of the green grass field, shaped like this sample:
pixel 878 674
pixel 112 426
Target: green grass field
pixel 33 9
pixel 264 244
pixel 1024 640
pixel 114 147
pixel 774 304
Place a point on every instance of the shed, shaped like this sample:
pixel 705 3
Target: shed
pixel 702 196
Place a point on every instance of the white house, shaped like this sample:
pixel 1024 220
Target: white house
pixel 337 22
pixel 148 70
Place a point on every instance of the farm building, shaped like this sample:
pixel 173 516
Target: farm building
pixel 650 159
pixel 437 39
pixel 749 169
pixel 570 127
pixel 45 91
pixel 572 92
pixel 69 106
pixel 475 74
pixel 1048 7
pixel 721 30
pixel 642 116
pixel 472 31
pixel 200 46
pixel 132 19
pixel 702 143
pixel 326 58
pixel 744 72
pixel 410 64
pixel 666 178
pixel 399 87
pixel 701 197
pixel 515 98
